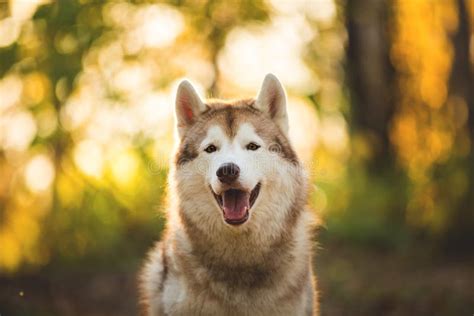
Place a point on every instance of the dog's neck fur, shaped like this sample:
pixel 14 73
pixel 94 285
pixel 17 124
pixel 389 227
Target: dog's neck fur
pixel 248 246
pixel 243 258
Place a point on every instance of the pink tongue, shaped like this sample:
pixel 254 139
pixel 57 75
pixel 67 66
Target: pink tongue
pixel 236 203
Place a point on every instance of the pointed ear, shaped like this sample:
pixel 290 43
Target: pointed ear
pixel 188 106
pixel 272 100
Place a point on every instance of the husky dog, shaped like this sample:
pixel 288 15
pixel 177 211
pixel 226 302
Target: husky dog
pixel 238 236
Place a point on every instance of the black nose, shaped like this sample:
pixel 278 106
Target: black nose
pixel 228 172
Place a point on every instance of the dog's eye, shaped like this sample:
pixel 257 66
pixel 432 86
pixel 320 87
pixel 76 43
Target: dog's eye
pixel 210 149
pixel 252 146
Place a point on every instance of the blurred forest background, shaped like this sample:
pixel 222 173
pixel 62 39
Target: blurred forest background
pixel 381 99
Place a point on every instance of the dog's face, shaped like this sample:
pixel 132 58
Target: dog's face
pixel 234 165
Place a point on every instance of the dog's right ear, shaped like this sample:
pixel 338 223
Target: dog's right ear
pixel 272 100
pixel 188 106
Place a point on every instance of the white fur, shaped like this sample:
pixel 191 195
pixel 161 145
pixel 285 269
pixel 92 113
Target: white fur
pixel 151 278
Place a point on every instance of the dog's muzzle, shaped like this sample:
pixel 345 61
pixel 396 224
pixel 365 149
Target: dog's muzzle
pixel 236 203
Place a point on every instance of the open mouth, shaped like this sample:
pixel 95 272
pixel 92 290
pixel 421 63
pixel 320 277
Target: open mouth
pixel 235 204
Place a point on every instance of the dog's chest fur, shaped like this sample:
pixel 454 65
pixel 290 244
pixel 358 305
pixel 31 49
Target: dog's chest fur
pixel 190 273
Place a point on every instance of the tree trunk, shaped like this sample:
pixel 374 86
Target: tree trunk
pixel 370 74
pixel 461 84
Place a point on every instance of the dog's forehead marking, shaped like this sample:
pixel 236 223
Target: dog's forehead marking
pixel 230 116
pixel 215 133
pixel 247 132
pixel 244 132
pixel 224 121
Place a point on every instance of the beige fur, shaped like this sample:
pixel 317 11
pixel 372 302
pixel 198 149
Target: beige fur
pixel 204 266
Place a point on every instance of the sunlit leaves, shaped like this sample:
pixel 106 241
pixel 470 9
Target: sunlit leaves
pixel 86 119
pixel 428 124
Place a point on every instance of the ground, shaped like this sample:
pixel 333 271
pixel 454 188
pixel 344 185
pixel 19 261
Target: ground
pixel 352 280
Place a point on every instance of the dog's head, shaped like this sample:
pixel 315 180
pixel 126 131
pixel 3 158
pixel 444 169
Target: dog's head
pixel 234 165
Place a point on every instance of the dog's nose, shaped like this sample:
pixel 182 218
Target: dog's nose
pixel 228 172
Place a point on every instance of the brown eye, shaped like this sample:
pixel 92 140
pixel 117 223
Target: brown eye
pixel 210 149
pixel 252 146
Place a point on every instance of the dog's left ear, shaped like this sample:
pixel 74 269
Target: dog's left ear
pixel 272 100
pixel 188 106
